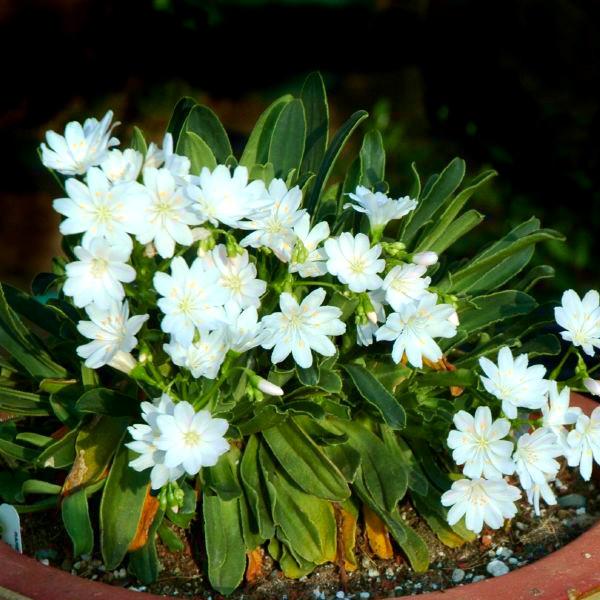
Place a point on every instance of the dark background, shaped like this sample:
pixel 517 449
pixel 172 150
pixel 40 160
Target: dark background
pixel 506 84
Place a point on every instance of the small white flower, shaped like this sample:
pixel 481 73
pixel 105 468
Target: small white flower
pixel 99 209
pixel 581 320
pixel 300 328
pixel 191 439
pixel 81 147
pixel 314 264
pixel 481 501
pixel 192 299
pixel 584 443
pixel 354 262
pixel 380 208
pixel 164 218
pixel 97 275
pixel 477 442
pixel 366 331
pixel 179 166
pixel 112 331
pixel 144 443
pixel 425 259
pixel 273 228
pixel 202 358
pixel 592 386
pixel 535 457
pixel 237 276
pixel 413 328
pixel 557 413
pixel 514 382
pixel 243 330
pixel 405 284
pixel 122 166
pixel 222 197
pixel 538 490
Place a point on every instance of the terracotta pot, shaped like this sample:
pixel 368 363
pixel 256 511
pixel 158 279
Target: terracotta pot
pixel 570 572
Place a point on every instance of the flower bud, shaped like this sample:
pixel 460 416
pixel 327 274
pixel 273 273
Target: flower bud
pixel 200 233
pixel 268 388
pixel 123 361
pixel 453 318
pixel 592 386
pixel 372 316
pixel 150 250
pixel 425 259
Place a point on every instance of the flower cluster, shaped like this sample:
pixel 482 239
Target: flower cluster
pixel 491 449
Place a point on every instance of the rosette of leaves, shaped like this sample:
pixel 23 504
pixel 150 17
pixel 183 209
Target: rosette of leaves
pixel 355 440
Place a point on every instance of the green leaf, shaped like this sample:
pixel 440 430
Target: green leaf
pixel 143 563
pixel 35 439
pixel 102 401
pixel 23 347
pixel 434 198
pixel 305 462
pixel 180 114
pixel 59 454
pixel 372 159
pixel 415 188
pixel 16 452
pixel 536 274
pixel 331 155
pixel 400 453
pixel 414 547
pixel 254 486
pixel 376 395
pixel 37 486
pixel 197 150
pixel 308 376
pixel 257 147
pixel 460 377
pixel 455 231
pixel 543 345
pixel 222 477
pixel 76 519
pixel 288 139
pixel 121 507
pixel 138 142
pixel 439 230
pixel 225 546
pixel 314 99
pixel 169 538
pixel 345 458
pixel 15 402
pixel 202 121
pixel 493 308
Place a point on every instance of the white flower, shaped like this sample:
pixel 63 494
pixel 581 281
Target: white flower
pixel 581 320
pixel 191 439
pixel 557 413
pixel 425 259
pixel 222 197
pixel 144 443
pixel 243 330
pixel 81 147
pixel 237 276
pixel 122 166
pixel 481 501
pixel 538 490
pixel 405 284
pixel 313 263
pixel 584 443
pixel 513 382
pixel 273 228
pixel 354 262
pixel 366 331
pixel 97 275
pixel 300 328
pixel 413 328
pixel 592 386
pixel 99 210
pixel 378 207
pixel 477 442
pixel 178 165
pixel 534 457
pixel 164 218
pixel 192 299
pixel 202 358
pixel 112 331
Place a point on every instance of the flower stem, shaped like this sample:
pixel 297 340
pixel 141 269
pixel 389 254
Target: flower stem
pixel 556 372
pixel 302 282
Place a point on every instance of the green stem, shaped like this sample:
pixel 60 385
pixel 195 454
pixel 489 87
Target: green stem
pixel 561 364
pixel 594 368
pixel 302 282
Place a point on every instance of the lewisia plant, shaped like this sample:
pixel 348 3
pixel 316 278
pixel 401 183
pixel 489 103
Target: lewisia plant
pixel 285 351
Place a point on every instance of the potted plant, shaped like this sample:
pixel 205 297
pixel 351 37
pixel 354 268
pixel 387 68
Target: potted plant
pixel 280 351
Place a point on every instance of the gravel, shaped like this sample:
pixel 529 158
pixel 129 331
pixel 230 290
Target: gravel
pixel 497 568
pixel 572 501
pixel 457 575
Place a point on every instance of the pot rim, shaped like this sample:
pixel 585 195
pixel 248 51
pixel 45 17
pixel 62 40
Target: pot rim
pixel 571 569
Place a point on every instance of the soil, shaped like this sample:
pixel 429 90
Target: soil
pixel 525 539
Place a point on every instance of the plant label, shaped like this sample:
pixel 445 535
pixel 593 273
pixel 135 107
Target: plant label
pixel 10 527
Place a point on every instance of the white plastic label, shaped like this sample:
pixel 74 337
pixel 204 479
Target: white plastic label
pixel 10 525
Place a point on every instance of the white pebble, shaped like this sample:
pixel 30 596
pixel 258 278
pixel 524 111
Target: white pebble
pixel 364 595
pixel 580 511
pixel 457 575
pixel 478 578
pixel 373 573
pixel 45 562
pixel 497 568
pixel 513 561
pixel 77 565
pixel 389 573
pixel 504 552
pixel 340 594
